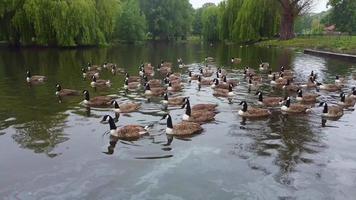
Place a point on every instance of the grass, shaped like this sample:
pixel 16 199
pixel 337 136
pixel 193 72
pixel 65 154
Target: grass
pixel 337 44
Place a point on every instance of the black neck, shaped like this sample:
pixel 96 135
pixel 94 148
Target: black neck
pixel 325 108
pixel 274 77
pixel 230 88
pixel 343 98
pixel 59 88
pixel 116 105
pixel 288 103
pixel 169 122
pixel 354 92
pixel 165 97
pixel 112 123
pixel 244 107
pixel 86 97
pixel 300 94
pixel 148 87
pixel 188 110
pixel 260 97
pixel 224 79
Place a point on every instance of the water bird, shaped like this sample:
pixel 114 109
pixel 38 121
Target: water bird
pixel 198 116
pixel 182 129
pixel 250 112
pixel 307 98
pixel 100 83
pixel 34 78
pixel 125 107
pixel 269 101
pixel 294 108
pixel 98 101
pixel 331 111
pixel 65 92
pixel 345 101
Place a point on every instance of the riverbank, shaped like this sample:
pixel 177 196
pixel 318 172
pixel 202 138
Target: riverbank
pixel 336 44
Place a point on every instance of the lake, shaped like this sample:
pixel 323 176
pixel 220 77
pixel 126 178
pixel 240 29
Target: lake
pixel 53 150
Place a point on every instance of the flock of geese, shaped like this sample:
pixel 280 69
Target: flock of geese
pixel 222 84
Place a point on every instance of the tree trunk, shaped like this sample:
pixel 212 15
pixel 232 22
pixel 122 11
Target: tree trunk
pixel 287 25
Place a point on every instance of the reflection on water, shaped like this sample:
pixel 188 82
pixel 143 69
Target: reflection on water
pixel 290 152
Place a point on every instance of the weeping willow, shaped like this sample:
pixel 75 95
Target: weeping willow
pixel 58 22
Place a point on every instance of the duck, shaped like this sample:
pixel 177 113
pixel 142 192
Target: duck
pixel 131 86
pixel 65 92
pixel 236 61
pixel 174 87
pixel 132 78
pixel 328 87
pixel 98 101
pixel 331 111
pixel 218 92
pixel 157 91
pixel 294 108
pixel 89 74
pixel 269 101
pixel 345 101
pixel 172 101
pixel 128 132
pixel 204 81
pixel 198 116
pixel 182 129
pixel 126 107
pixel 206 72
pixel 35 78
pixel 202 106
pixel 251 112
pixel 307 98
pixel 100 83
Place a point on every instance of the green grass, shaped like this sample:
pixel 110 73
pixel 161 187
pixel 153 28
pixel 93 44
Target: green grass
pixel 338 44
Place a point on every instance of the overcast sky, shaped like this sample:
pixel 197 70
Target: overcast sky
pixel 320 5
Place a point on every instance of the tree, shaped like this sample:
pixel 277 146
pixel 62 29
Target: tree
pixel 210 20
pixel 343 14
pixel 197 22
pixel 131 24
pixel 291 9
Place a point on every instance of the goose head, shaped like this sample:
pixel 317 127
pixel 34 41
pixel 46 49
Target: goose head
pixel 110 120
pixel 86 95
pixel 325 110
pixel 353 90
pixel 244 106
pixel 93 79
pixel 287 102
pixel 343 97
pixel 260 96
pixel 115 104
pixel 169 123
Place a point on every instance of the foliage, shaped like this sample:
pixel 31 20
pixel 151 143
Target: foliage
pixel 168 19
pixel 343 14
pixel 197 22
pixel 210 20
pixel 131 24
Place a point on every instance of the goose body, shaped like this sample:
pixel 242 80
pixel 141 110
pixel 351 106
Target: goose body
pixel 172 101
pixel 192 77
pixel 331 111
pixel 345 101
pixel 278 82
pixel 90 74
pixel 158 91
pixel 236 61
pixel 35 78
pixel 329 87
pixel 291 87
pixel 174 87
pixel 250 112
pixel 98 101
pixel 132 78
pixel 294 108
pixel 206 72
pixel 219 92
pixel 125 107
pixel 182 129
pixel 100 83
pixel 264 66
pixel 307 98
pixel 269 101
pixel 128 132
pixel 65 92
pixel 198 116
pixel 131 85
pixel 205 82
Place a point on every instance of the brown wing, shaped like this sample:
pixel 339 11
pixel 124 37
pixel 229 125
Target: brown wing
pixel 68 92
pixel 130 132
pixel 257 112
pixel 202 116
pixel 129 107
pixel 176 101
pixel 298 108
pixel 209 107
pixel 186 129
pixel 218 92
pixel 272 101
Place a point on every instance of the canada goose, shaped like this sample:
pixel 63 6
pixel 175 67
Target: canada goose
pixel 269 101
pixel 35 78
pixel 126 107
pixel 209 59
pixel 91 67
pixel 236 61
pixel 286 72
pixel 132 78
pixel 206 72
pixel 157 91
pixel 219 92
pixel 99 101
pixel 131 86
pixel 255 78
pixel 208 107
pixel 307 98
pixel 346 102
pixel 175 79
pixel 278 82
pixel 250 112
pixel 353 93
pixel 172 101
pixel 331 111
pixel 180 63
pixel 198 116
pixel 264 66
pixel 165 68
pixel 204 81
pixel 174 88
pixel 294 108
pixel 192 77
pixel 128 132
pixel 328 87
pixel 249 72
pixel 271 74
pixel 310 84
pixel 100 83
pixel 230 81
pixel 282 76
pixel 182 129
pixel 291 87
pixel 89 74
pixel 216 84
pixel 220 73
pixel 153 82
pixel 339 80
pixel 65 92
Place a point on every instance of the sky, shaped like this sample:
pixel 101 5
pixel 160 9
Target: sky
pixel 320 5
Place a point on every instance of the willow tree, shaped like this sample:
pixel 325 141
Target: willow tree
pixel 210 18
pixel 291 9
pixel 228 13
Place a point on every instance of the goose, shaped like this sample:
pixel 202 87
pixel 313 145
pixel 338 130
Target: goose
pixel 249 72
pixel 132 78
pixel 331 111
pixel 35 78
pixel 271 74
pixel 307 98
pixel 174 87
pixel 269 101
pixel 278 82
pixel 291 87
pixel 206 72
pixel 339 80
pixel 182 129
pixel 286 72
pixel 165 68
pixel 233 82
pixel 216 84
pixel 98 101
pixel 126 107
pixel 198 116
pixel 89 74
pixel 328 87
pixel 65 92
pixel 153 82
pixel 294 108
pixel 264 66
pixel 208 107
pixel 236 61
pixel 220 72
pixel 346 102
pixel 250 112
pixel 131 86
pixel 204 81
pixel 157 91
pixel 353 93
pixel 180 63
pixel 218 92
pixel 128 132
pixel 310 84
pixel 172 101
pixel 100 83
pixel 209 59
pixel 91 67
pixel 192 77
pixel 282 76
